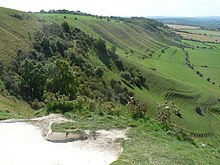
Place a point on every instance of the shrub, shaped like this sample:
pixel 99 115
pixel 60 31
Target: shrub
pixel 136 108
pixel 98 71
pixel 61 47
pixel 1 69
pixel 19 16
pixel 46 47
pixel 37 105
pixel 113 82
pixel 179 133
pixel 2 86
pixel 61 78
pixel 101 46
pixel 119 64
pixel 66 27
pixel 126 76
pixel 61 106
pixel 131 50
pixel 83 106
pixel 52 97
pixel 165 111
pixel 109 108
pixel 12 83
pixel 199 111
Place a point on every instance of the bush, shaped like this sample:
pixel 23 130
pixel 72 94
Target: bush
pixel 37 105
pixel 165 111
pixel 2 86
pixel 61 107
pixel 109 108
pixel 119 64
pixel 19 16
pixel 113 82
pixel 179 133
pixel 66 27
pixel 98 71
pixel 136 108
pixel 1 69
pixel 83 106
pixel 126 76
pixel 12 84
pixel 61 78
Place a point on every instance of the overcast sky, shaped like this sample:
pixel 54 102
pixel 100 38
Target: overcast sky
pixel 123 7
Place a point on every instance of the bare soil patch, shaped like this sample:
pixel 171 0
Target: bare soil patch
pixel 23 142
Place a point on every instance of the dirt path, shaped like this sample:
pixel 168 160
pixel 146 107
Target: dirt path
pixel 22 143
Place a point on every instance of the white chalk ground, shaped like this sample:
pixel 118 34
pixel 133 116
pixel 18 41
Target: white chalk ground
pixel 23 144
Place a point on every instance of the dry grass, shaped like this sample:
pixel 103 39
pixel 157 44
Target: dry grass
pixel 13 108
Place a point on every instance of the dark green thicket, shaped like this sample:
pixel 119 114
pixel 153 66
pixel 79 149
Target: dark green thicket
pixel 59 63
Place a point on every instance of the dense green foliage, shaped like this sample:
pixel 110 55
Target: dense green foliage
pixel 59 63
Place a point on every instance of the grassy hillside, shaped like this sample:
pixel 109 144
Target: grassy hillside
pixel 98 52
pixel 12 108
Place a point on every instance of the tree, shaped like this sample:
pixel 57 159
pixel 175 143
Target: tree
pixel 1 69
pixel 101 46
pixel 98 71
pixel 46 46
pixel 119 64
pixel 33 79
pixel 61 78
pixel 42 11
pixel 102 52
pixel 126 76
pixel 12 83
pixel 61 47
pixel 66 27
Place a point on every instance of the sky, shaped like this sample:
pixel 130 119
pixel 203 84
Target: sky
pixel 127 8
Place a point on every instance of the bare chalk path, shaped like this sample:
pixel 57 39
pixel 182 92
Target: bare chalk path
pixel 23 144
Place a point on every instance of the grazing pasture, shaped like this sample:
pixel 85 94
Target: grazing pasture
pixel 199 37
pixel 203 32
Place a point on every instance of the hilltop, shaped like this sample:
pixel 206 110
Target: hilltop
pixel 112 72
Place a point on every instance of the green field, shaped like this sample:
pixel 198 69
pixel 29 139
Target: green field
pixel 204 32
pixel 159 57
pixel 199 37
pixel 199 58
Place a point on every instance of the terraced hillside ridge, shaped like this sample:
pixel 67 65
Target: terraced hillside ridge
pixel 90 69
